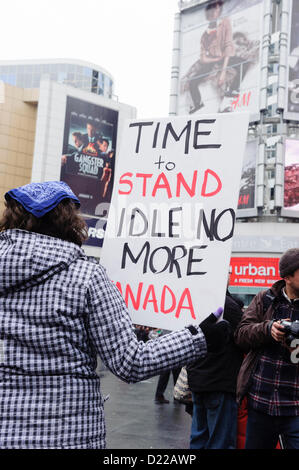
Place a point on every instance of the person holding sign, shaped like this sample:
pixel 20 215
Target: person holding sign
pixel 213 382
pixel 58 312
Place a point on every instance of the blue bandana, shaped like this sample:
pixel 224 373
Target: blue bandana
pixel 40 198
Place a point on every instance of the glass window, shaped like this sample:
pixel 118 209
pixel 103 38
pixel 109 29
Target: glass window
pixel 87 72
pixel 271 174
pixel 45 68
pixel 101 80
pixel 35 80
pixel 12 69
pixel 271 193
pixel 36 68
pixel 61 77
pixel 70 77
pixel 21 77
pixel 78 69
pixel 28 80
pixel 28 68
pixel 71 68
pixel 86 84
pixel 12 79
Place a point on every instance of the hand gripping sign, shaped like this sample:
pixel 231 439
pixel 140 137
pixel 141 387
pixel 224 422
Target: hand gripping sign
pixel 171 222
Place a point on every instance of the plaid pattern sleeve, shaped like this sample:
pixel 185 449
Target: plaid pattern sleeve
pixel 111 331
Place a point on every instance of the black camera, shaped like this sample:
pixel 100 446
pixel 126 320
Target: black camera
pixel 291 330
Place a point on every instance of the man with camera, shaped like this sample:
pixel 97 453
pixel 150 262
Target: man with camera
pixel 269 376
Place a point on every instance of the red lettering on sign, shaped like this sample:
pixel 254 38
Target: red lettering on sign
pixel 168 302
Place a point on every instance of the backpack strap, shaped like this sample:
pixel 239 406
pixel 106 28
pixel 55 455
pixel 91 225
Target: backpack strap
pixel 268 299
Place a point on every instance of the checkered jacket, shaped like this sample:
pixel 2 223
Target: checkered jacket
pixel 274 386
pixel 58 312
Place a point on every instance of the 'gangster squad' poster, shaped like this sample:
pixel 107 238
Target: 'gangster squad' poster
pixel 88 155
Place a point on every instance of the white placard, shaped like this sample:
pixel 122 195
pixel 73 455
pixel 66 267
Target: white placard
pixel 169 235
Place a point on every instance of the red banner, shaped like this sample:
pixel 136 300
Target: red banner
pixel 254 272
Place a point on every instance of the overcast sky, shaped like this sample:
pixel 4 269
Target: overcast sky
pixel 131 39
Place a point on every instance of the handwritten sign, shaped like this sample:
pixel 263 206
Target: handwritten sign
pixel 171 222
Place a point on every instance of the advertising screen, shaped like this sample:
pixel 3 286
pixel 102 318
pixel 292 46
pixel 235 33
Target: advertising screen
pixel 96 231
pixel 220 57
pixel 291 178
pixel 292 105
pixel 88 154
pixel 248 178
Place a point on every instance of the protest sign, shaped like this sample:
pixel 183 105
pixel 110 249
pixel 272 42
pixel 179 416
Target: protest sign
pixel 169 233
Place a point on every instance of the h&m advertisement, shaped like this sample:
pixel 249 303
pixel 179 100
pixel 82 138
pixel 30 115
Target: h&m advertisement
pixel 248 178
pixel 88 154
pixel 220 55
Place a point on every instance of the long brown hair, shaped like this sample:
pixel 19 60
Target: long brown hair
pixel 64 221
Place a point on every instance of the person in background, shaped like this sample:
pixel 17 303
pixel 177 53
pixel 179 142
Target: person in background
pixel 58 312
pixel 268 378
pixel 163 380
pixel 212 381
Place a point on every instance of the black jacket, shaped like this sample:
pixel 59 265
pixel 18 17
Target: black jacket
pixel 218 371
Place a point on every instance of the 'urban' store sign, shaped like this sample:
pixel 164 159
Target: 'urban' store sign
pixel 254 272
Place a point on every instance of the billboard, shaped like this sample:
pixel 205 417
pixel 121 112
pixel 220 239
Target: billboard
pixel 220 57
pixel 88 154
pixel 96 231
pixel 291 179
pixel 254 272
pixel 292 105
pixel 247 203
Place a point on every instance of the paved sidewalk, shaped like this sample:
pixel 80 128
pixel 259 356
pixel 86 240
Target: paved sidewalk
pixel 134 421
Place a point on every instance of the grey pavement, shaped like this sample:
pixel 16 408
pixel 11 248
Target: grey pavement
pixel 134 421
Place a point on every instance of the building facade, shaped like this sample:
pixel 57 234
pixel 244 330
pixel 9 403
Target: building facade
pixel 235 56
pixel 46 107
pixel 18 113
pixel 76 73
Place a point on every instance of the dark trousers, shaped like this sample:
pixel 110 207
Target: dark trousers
pixel 206 69
pixel 214 421
pixel 163 380
pixel 263 431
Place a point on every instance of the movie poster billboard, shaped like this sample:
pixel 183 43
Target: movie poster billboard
pixel 292 105
pixel 220 57
pixel 291 179
pixel 88 154
pixel 246 203
pixel 96 231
